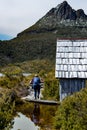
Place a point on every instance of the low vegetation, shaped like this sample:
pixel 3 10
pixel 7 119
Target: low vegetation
pixel 7 108
pixel 33 66
pixel 72 113
pixel 33 45
pixel 13 84
pixel 51 87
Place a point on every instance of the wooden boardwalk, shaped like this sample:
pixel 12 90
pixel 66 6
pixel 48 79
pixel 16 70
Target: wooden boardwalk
pixel 48 102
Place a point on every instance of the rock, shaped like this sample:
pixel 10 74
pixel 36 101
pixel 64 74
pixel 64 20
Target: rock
pixel 22 92
pixel 80 14
pixel 61 14
pixel 64 11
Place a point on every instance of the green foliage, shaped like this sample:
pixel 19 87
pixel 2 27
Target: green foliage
pixel 7 108
pixel 37 43
pixel 10 81
pixel 33 66
pixel 11 70
pixel 27 48
pixel 72 113
pixel 51 87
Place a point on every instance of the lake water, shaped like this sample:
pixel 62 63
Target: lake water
pixel 2 75
pixel 32 116
pixel 23 123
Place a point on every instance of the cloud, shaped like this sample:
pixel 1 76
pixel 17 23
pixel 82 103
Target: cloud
pixel 16 15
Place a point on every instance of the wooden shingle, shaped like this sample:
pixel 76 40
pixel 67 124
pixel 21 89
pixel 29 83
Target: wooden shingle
pixel 71 59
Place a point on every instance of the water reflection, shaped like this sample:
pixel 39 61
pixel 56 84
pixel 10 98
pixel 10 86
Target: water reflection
pixel 36 114
pixel 21 122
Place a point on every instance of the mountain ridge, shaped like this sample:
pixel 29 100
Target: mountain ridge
pixel 61 15
pixel 39 41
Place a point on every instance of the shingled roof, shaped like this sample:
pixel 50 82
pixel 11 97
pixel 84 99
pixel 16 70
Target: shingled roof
pixel 71 58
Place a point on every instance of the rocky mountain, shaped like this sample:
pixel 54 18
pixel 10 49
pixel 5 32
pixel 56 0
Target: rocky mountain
pixel 39 40
pixel 61 16
pixel 64 12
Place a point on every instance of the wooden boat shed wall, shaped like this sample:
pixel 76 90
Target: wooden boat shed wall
pixel 71 65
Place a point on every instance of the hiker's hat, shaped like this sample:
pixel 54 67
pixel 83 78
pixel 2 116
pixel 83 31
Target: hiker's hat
pixel 36 75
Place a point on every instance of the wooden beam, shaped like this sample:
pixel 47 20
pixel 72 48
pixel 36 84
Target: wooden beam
pixel 48 102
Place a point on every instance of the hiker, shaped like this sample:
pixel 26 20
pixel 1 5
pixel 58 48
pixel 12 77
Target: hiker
pixel 36 86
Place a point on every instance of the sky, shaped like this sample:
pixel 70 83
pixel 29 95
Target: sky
pixel 18 15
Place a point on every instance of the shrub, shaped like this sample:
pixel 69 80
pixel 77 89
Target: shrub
pixel 72 113
pixel 51 87
pixel 7 107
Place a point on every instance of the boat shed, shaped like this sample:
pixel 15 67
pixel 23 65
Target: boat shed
pixel 71 65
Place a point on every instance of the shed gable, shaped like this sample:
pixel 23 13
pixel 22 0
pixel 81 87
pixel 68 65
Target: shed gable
pixel 71 59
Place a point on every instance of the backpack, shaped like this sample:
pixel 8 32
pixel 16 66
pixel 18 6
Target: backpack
pixel 36 81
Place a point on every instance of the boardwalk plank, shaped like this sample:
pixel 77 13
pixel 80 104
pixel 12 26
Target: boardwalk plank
pixel 49 102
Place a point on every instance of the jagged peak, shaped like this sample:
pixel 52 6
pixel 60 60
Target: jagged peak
pixel 59 7
pixel 62 14
pixel 64 3
pixel 80 12
pixel 65 11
